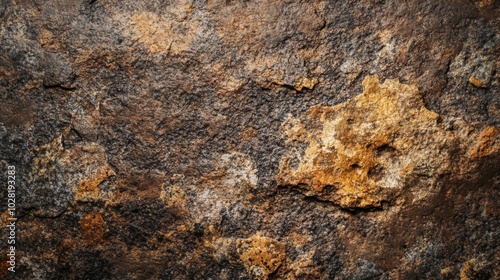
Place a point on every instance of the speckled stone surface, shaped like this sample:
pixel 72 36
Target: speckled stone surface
pixel 191 139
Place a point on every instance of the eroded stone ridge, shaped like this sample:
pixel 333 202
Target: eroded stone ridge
pixel 362 153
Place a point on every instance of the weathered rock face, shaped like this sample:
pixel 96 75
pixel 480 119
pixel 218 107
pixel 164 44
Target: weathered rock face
pixel 379 146
pixel 251 139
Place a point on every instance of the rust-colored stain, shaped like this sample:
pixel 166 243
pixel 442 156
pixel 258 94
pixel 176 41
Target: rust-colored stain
pixel 93 227
pixel 249 134
pixel 365 151
pixel 89 187
pixel 477 82
pixel 261 255
pixel 487 143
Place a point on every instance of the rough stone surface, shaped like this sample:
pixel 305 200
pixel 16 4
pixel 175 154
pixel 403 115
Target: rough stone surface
pixel 270 139
pixel 378 146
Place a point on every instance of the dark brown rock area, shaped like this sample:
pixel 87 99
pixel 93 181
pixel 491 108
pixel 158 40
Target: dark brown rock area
pixel 236 139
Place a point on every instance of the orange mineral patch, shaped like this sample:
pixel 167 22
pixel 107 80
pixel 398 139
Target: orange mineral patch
pixel 363 152
pixel 93 227
pixel 487 143
pixel 477 82
pixel 261 255
pixel 89 163
pixel 85 165
pixel 88 188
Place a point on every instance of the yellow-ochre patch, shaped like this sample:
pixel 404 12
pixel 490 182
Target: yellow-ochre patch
pixel 362 153
pixel 160 34
pixel 261 255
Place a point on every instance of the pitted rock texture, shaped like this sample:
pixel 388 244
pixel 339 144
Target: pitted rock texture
pixel 260 255
pixel 217 139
